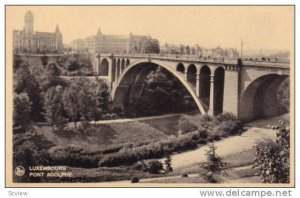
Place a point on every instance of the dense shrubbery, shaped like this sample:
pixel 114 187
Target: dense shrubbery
pixel 110 116
pixel 151 166
pixel 272 160
pixel 26 82
pixel 225 125
pixel 227 128
pixel 283 96
pixel 21 115
pixel 222 125
pixel 168 164
pixel 77 65
pixel 72 155
pixel 135 180
pixel 30 149
pixel 53 69
pixel 186 126
pixel 203 133
pixel 153 150
pixel 206 121
pixel 154 166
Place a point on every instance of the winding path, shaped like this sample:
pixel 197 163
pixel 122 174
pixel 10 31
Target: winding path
pixel 228 146
pixel 225 147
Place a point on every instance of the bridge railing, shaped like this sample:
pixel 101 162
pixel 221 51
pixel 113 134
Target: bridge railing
pixel 175 57
pixel 39 55
pixel 267 64
pixel 195 58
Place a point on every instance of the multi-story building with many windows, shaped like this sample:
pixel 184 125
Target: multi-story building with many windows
pixel 29 41
pixel 101 43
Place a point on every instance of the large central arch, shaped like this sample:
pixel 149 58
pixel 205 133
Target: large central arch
pixel 128 78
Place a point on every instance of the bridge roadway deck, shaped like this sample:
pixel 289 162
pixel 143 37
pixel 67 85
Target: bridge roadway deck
pixel 195 59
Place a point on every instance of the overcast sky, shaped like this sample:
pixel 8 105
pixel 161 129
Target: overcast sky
pixel 259 27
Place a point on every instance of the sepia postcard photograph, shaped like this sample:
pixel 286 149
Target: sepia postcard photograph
pixel 150 96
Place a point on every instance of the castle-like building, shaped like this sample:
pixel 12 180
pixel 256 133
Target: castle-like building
pixel 101 43
pixel 29 41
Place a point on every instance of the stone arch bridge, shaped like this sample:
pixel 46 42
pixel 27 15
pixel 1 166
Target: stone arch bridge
pixel 248 89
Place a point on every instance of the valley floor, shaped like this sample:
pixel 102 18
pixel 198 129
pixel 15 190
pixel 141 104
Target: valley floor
pixel 237 151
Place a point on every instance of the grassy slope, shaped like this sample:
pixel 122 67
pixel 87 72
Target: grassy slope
pixel 168 126
pixel 116 133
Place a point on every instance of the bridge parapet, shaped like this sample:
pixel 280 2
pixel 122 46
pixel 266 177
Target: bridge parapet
pixel 229 63
pixel 274 64
pixel 171 57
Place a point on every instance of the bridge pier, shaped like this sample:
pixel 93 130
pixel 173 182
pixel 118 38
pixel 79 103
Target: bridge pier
pixel 211 96
pixel 110 74
pixel 116 74
pixel 97 64
pixel 186 75
pixel 198 84
pixel 121 70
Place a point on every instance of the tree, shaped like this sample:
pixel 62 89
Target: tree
pixel 272 159
pixel 214 165
pixel 181 49
pixel 52 69
pixel 99 99
pixel 193 51
pixel 72 99
pixel 154 166
pixel 158 92
pixel 283 96
pixel 25 82
pixel 187 50
pixel 103 97
pixel 21 114
pixel 44 60
pixel 53 106
pixel 78 99
pixel 168 164
pixel 160 88
pixel 18 61
pixel 48 81
pixel 74 66
pixel 29 149
pixel 150 46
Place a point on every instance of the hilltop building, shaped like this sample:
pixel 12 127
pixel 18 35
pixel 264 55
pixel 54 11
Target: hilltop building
pixel 199 51
pixel 29 41
pixel 101 43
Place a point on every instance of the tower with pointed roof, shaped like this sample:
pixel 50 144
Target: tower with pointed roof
pixel 28 30
pixel 30 41
pixel 28 22
pixel 58 39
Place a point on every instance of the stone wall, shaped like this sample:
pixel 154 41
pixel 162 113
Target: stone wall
pixel 231 81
